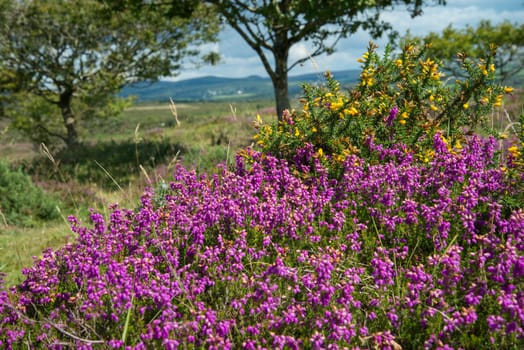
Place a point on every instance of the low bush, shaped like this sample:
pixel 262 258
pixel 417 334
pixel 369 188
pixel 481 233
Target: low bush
pixel 22 203
pixel 391 255
pixel 400 98
pixel 372 219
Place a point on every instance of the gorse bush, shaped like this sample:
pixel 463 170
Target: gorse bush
pixel 21 202
pixel 400 98
pixel 391 254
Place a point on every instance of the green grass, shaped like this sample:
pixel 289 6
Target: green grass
pixel 208 131
pixel 18 246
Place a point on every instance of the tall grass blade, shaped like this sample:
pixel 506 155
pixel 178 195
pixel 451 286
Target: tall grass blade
pixel 172 107
pixel 145 174
pixel 109 175
pixel 233 111
pixel 128 318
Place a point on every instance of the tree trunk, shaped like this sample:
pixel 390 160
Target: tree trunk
pixel 68 117
pixel 281 94
pixel 280 78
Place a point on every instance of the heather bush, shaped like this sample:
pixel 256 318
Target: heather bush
pixel 393 254
pixel 374 219
pixel 21 202
pixel 400 98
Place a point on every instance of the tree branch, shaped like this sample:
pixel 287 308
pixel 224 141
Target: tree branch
pixel 50 133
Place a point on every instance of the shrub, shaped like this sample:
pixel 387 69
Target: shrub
pixel 393 254
pixel 400 98
pixel 21 202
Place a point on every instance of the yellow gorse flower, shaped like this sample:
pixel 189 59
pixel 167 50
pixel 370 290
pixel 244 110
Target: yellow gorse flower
pixel 336 105
pixel 445 140
pixel 427 64
pixel 429 67
pixel 426 156
pixel 515 151
pixel 351 111
pixel 482 67
pixel 403 117
pixel 257 123
pixel 363 58
pixel 266 129
pixel 367 77
pixel 498 101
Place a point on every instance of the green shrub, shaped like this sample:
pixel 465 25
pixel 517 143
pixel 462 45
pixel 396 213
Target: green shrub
pixel 400 98
pixel 21 202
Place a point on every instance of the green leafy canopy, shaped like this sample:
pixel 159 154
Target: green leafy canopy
pixel 474 42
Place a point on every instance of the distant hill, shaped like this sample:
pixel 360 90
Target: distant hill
pixel 213 88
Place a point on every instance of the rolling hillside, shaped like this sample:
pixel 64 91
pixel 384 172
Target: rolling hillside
pixel 213 88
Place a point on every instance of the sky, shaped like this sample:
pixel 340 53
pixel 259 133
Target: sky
pixel 239 60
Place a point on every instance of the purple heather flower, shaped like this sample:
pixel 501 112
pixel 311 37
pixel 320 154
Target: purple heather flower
pixel 392 115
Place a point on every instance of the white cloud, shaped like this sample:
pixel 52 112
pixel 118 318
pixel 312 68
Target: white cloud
pixel 298 52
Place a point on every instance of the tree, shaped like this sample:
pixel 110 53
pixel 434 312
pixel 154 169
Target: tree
pixel 271 28
pixel 9 84
pixel 79 53
pixel 475 43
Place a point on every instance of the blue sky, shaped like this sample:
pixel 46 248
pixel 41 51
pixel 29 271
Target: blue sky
pixel 239 60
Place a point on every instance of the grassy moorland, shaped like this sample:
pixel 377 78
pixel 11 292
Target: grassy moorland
pixel 118 159
pixel 389 216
